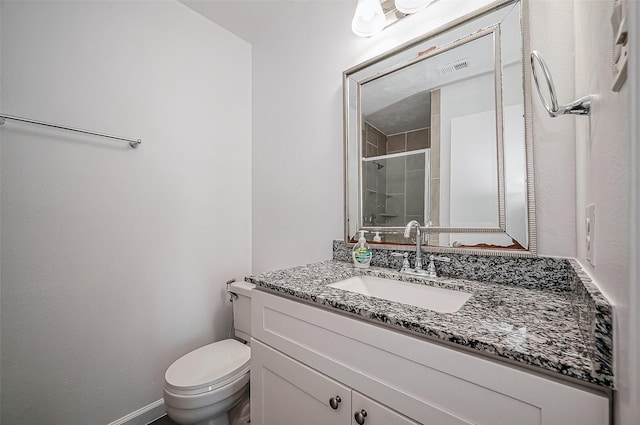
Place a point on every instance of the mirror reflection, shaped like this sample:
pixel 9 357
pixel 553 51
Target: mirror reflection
pixel 401 114
pixel 439 137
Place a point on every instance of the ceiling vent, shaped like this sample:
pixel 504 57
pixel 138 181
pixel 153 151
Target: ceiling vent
pixel 455 66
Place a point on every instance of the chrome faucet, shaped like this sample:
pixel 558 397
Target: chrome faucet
pixel 407 232
pixel 417 269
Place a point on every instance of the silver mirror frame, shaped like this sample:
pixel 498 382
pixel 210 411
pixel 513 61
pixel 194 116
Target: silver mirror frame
pixel 528 135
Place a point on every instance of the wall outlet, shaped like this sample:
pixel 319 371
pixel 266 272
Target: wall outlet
pixel 591 233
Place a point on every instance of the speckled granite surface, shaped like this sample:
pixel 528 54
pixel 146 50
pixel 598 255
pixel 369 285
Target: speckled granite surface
pixel 530 325
pixel 540 272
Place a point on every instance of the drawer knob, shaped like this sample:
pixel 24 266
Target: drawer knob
pixel 334 402
pixel 359 416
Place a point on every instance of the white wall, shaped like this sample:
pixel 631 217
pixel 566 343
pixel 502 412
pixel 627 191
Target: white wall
pixel 554 139
pixel 297 123
pixel 114 260
pixel 297 134
pixel 632 410
pixel 603 179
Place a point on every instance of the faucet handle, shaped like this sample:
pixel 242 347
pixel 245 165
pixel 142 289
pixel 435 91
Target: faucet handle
pixel 431 268
pixel 405 263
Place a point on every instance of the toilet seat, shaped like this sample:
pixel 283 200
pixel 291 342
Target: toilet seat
pixel 208 368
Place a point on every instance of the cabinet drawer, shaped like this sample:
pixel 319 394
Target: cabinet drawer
pixel 427 382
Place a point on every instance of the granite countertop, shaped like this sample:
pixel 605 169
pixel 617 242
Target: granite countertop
pixel 530 326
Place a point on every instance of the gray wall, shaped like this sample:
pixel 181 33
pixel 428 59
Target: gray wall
pixel 114 260
pixel 603 147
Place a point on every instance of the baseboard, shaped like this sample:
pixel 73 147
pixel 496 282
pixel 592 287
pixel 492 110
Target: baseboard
pixel 144 415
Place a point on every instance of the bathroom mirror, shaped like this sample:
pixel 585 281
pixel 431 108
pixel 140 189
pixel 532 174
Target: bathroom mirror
pixel 438 131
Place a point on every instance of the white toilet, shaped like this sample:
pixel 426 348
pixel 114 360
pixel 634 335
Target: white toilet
pixel 203 385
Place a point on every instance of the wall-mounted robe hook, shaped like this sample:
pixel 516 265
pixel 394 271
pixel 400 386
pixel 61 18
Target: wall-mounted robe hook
pixel 581 106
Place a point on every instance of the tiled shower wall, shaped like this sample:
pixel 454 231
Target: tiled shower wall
pixel 394 187
pixel 375 143
pixel 374 175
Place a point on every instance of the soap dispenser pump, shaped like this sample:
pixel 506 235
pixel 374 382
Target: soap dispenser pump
pixel 362 252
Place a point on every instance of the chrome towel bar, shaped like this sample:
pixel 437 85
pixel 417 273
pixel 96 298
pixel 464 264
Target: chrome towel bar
pixel 134 143
pixel 581 106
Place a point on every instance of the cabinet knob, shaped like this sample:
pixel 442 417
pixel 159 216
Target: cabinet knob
pixel 359 416
pixel 334 402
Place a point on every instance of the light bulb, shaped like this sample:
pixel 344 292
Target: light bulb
pixel 369 18
pixel 411 6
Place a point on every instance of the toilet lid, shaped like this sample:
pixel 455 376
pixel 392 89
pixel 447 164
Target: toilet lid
pixel 210 366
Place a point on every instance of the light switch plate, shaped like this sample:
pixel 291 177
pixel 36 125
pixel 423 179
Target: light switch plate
pixel 591 233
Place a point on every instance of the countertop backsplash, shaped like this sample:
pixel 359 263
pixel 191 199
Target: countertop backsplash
pixel 594 315
pixel 536 272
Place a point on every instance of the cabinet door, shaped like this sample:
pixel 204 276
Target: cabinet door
pixel 376 413
pixel 286 392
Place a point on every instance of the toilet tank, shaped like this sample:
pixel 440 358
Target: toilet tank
pixel 242 309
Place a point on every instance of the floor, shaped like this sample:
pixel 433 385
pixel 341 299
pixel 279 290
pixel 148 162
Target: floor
pixel 163 421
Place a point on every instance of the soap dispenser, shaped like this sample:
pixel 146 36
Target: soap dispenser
pixel 362 252
pixel 377 237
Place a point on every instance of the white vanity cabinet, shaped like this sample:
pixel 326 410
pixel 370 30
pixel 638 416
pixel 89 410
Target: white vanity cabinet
pixel 303 356
pixel 288 392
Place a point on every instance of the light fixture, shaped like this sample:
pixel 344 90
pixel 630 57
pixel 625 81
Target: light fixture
pixel 369 18
pixel 372 16
pixel 411 6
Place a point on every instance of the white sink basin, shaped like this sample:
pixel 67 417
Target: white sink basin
pixel 430 297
